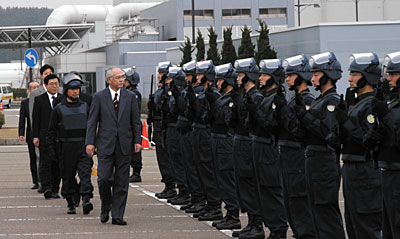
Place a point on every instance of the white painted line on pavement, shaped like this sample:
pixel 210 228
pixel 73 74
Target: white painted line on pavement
pixel 71 233
pixel 151 194
pixel 8 197
pixel 24 207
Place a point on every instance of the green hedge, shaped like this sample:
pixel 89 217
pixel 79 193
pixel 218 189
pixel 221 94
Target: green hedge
pixel 2 119
pixel 20 93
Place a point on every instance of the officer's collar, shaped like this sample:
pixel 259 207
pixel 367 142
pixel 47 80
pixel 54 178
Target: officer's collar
pixel 306 90
pixel 331 90
pixel 271 91
pixel 365 95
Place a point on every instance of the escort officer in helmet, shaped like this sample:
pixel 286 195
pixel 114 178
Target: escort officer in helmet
pixel 68 126
pixel 222 145
pixel 164 162
pixel 245 171
pixel 386 136
pixel 322 166
pixel 132 79
pixel 292 149
pixel 363 204
pixel 200 113
pixel 175 81
pixel 184 126
pixel 265 151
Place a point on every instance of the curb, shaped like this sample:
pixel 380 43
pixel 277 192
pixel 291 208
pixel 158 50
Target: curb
pixel 14 141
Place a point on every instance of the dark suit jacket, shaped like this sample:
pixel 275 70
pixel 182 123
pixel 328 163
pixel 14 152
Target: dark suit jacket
pixel 24 117
pixel 126 128
pixel 41 116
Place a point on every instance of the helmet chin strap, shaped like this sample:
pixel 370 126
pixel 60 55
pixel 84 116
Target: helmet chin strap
pixel 245 80
pixel 297 82
pixel 73 99
pixel 223 87
pixel 322 81
pixel 361 83
pixel 269 82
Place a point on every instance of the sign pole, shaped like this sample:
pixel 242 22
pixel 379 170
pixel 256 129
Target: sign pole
pixel 30 46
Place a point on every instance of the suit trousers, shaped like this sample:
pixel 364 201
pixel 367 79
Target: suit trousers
pixel 298 210
pixel 323 182
pixel 113 180
pixel 32 163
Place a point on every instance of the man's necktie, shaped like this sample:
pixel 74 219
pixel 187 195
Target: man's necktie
pixel 116 104
pixel 53 101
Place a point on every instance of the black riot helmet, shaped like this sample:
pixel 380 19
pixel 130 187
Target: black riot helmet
pixel 368 65
pixel 71 81
pixel 163 66
pixel 207 68
pixel 226 72
pixel 392 62
pixel 298 65
pixel 249 67
pixel 132 76
pixel 177 75
pixel 274 68
pixel 328 64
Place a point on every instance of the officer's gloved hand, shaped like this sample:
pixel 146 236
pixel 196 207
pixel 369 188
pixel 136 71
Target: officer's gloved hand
pixel 210 95
pixel 299 133
pixel 175 91
pixel 341 115
pixel 380 108
pixel 234 94
pixel 300 106
pixel 371 138
pixel 342 103
pixel 150 104
pixel 350 97
pixel 279 101
pixel 250 105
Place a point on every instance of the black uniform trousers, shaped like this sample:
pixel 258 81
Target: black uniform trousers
pixel 391 204
pixel 136 162
pixel 222 149
pixel 74 159
pixel 298 211
pixel 203 157
pixel 113 180
pixel 193 181
pixel 323 182
pixel 164 162
pixel 245 175
pixel 32 162
pixel 362 200
pixel 270 194
pixel 49 170
pixel 177 161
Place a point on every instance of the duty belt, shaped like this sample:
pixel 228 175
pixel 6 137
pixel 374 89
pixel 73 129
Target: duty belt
pixel 262 139
pixel 157 118
pixel 289 143
pixel 173 125
pixel 242 137
pixel 201 126
pixel 220 136
pixel 77 139
pixel 182 118
pixel 320 148
pixel 353 158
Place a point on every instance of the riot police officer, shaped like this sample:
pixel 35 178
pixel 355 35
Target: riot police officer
pixel 265 151
pixel 200 114
pixel 175 81
pixel 247 183
pixel 385 135
pixel 132 79
pixel 155 106
pixel 361 179
pixel 68 126
pixel 291 147
pixel 222 144
pixel 184 126
pixel 322 166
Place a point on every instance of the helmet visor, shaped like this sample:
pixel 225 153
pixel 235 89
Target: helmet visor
pixel 295 61
pixel 393 57
pixel 270 64
pixel 190 66
pixel 322 58
pixel 244 62
pixel 203 65
pixel 363 58
pixel 174 70
pixel 223 69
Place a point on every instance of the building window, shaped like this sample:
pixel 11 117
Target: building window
pixel 236 13
pixel 273 12
pixel 200 14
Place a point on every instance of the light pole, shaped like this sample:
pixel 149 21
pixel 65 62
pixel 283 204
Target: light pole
pixel 298 5
pixel 193 30
pixel 357 10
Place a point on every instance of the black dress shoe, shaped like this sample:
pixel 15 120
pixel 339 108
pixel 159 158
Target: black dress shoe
pixel 55 195
pixel 35 186
pixel 47 194
pixel 167 193
pixel 135 178
pixel 104 217
pixel 40 190
pixel 119 222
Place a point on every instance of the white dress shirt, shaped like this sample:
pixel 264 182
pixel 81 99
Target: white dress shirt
pixel 51 98
pixel 113 93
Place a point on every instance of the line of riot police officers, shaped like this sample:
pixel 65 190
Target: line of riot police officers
pixel 231 134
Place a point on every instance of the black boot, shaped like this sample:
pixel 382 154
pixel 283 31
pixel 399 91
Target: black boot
pixel 71 205
pixel 277 235
pixel 86 204
pixel 182 199
pixel 196 207
pixel 135 178
pixel 256 232
pixel 202 212
pixel 168 192
pixel 186 206
pixel 212 215
pixel 247 228
pixel 231 222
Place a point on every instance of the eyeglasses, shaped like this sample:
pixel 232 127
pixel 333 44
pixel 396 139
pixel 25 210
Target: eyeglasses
pixel 53 84
pixel 119 77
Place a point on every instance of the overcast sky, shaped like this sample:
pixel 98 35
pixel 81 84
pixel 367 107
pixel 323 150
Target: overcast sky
pixel 50 4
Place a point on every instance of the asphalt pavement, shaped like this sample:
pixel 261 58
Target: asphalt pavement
pixel 12 115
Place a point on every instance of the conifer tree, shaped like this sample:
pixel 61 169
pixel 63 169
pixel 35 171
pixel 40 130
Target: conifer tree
pixel 246 47
pixel 264 49
pixel 212 53
pixel 201 50
pixel 187 50
pixel 228 52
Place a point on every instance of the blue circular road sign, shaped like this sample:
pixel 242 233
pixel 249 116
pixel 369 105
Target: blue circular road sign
pixel 31 57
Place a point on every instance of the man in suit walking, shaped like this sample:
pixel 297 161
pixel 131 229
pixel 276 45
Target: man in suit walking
pixel 49 170
pixel 115 111
pixel 44 71
pixel 24 117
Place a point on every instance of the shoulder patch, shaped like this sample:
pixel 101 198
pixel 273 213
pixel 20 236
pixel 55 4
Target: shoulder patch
pixel 308 107
pixel 169 93
pixel 231 104
pixel 197 95
pixel 331 108
pixel 371 118
pixel 273 106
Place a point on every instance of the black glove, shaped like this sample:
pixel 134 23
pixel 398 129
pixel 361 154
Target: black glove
pixel 279 101
pixel 371 138
pixel 350 97
pixel 210 95
pixel 234 94
pixel 300 111
pixel 341 115
pixel 299 133
pixel 250 105
pixel 175 91
pixel 342 103
pixel 380 108
pixel 150 104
